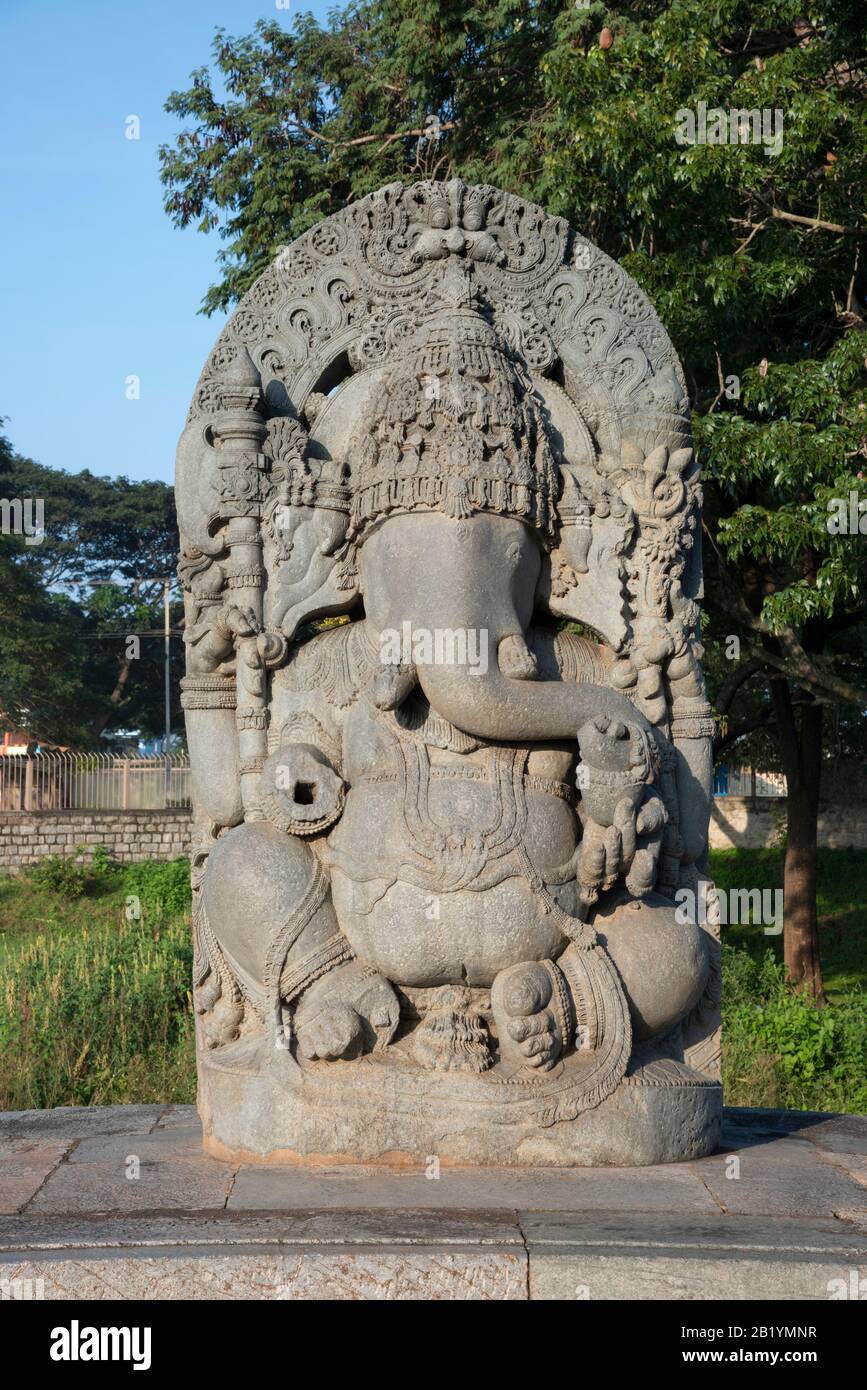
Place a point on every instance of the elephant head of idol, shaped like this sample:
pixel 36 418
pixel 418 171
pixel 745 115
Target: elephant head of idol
pixel 438 492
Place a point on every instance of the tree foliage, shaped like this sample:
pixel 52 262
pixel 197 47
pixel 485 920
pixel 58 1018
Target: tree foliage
pixel 69 603
pixel 753 258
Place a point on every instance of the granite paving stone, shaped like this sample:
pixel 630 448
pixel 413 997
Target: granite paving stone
pixel 782 1176
pixel 581 1189
pixel 25 1164
pixel 156 1185
pixel 77 1121
pixel 791 1225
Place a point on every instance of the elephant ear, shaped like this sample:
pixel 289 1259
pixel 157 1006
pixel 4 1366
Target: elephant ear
pixel 582 576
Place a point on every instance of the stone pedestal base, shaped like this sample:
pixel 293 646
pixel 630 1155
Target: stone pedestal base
pixel 378 1111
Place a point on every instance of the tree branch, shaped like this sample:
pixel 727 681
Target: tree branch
pixel 756 227
pixel 733 682
pixel 817 222
pixel 795 662
pixel 369 139
pixel 722 742
pixel 722 384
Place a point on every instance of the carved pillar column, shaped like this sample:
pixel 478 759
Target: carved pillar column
pixel 245 578
pixel 238 434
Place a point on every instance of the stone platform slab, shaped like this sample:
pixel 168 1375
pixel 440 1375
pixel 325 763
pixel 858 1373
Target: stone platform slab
pixel 121 1202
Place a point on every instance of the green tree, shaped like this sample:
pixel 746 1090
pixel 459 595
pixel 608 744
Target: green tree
pixel 68 673
pixel 751 251
pixel 44 656
pixel 791 588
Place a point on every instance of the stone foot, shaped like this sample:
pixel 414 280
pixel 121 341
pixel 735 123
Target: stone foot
pixel 533 1014
pixel 351 1010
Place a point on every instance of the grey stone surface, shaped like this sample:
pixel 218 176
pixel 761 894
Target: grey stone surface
pixel 316 1275
pixel 44 1234
pixel 105 1186
pixel 782 1175
pixel 838 1133
pixel 181 1118
pixel 807 1123
pixel 482 427
pixel 637 1276
pixel 26 837
pixel 162 1143
pixel 690 1259
pixel 640 1124
pixel 194 1228
pixel 726 1235
pixel 24 1166
pixel 78 1121
pixel 639 1190
pixel 856 1215
pixel 853 1165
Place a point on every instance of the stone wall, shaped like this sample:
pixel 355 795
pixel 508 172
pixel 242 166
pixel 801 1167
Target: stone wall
pixel 131 835
pixel 737 822
pixel 127 835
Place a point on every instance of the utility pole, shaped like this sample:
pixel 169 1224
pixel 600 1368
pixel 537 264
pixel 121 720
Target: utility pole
pixel 167 643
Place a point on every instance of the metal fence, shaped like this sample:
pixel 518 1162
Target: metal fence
pixel 94 782
pixel 747 781
pixel 107 782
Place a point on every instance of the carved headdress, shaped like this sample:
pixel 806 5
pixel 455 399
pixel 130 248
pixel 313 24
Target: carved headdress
pixel 455 426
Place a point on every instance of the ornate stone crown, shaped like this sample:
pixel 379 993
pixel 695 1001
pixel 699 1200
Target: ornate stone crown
pixel 456 427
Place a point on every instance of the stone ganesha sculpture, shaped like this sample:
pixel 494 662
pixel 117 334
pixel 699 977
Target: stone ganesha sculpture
pixel 439 835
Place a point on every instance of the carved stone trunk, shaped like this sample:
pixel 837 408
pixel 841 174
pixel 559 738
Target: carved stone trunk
pixel 451 749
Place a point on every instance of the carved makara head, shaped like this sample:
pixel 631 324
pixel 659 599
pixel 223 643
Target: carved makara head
pixel 456 427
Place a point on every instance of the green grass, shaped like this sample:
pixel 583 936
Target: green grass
pixel 779 1049
pixel 842 904
pixel 96 1008
pixel 96 1003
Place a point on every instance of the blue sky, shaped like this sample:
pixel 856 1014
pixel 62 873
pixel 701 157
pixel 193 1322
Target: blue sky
pixel 95 282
